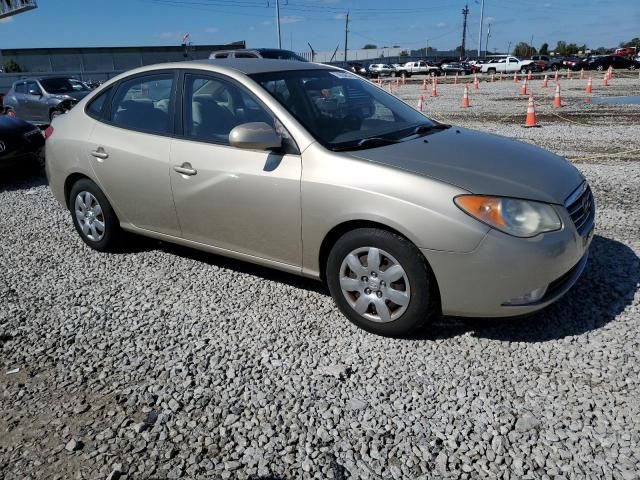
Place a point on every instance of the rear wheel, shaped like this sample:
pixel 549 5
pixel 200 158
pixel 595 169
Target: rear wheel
pixel 93 216
pixel 600 68
pixel 381 282
pixel 491 71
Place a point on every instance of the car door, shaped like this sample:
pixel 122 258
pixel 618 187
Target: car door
pixel 32 101
pixel 19 103
pixel 129 151
pixel 239 200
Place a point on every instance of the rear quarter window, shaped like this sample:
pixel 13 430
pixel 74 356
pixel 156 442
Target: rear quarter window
pixel 96 107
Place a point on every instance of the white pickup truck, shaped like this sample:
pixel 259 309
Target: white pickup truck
pixel 417 68
pixel 507 65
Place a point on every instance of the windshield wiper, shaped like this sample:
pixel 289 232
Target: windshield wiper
pixel 369 142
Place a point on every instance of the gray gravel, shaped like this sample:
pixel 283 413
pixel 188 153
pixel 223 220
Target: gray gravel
pixel 161 362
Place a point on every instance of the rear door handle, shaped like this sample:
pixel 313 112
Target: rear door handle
pixel 185 169
pixel 100 153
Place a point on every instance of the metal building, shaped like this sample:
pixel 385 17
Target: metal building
pixel 99 63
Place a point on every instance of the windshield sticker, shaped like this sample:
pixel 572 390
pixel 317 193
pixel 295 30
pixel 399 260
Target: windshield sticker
pixel 343 75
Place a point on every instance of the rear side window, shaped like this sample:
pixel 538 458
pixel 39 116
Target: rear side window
pixel 143 103
pixel 222 55
pixel 96 107
pixel 245 55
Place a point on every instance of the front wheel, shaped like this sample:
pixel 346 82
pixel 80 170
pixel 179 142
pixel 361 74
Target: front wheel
pixel 93 216
pixel 381 282
pixel 600 68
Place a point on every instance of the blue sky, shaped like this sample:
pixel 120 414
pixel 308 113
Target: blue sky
pixel 411 24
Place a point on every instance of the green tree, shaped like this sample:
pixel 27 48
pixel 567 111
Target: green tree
pixel 404 53
pixel 523 49
pixel 370 46
pixel 458 49
pixel 426 51
pixel 12 67
pixel 544 49
pixel 634 42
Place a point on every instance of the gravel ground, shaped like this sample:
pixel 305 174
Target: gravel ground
pixel 161 362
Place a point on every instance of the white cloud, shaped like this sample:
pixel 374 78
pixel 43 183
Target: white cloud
pixel 441 24
pixel 290 19
pixel 211 30
pixel 6 20
pixel 170 35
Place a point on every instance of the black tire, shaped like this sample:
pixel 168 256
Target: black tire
pixel 554 68
pixel 110 239
pixel 422 304
pixel 491 71
pixel 600 68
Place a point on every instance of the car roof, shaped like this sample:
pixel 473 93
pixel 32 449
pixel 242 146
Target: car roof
pixel 250 66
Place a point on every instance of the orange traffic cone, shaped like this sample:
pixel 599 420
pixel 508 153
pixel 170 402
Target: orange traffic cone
pixel 493 77
pixel 424 85
pixel 433 88
pixel 501 76
pixel 523 88
pixel 515 77
pixel 555 78
pixel 531 121
pixel 476 84
pixel 404 79
pixel 587 100
pixel 545 82
pixel 529 76
pixel 605 80
pixel 589 85
pixel 582 74
pixel 610 73
pixel 455 80
pixel 465 97
pixel 557 102
pixel 420 103
pixel 390 88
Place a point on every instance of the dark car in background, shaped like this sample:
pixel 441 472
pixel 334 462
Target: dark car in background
pixel 20 142
pixel 39 100
pixel 606 61
pixel 574 63
pixel 455 67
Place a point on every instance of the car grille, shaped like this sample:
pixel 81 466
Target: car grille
pixel 581 208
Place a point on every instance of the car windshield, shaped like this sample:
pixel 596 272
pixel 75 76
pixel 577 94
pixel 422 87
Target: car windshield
pixel 340 109
pixel 62 85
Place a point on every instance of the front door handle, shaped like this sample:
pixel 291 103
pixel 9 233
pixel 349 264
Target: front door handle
pixel 100 153
pixel 185 169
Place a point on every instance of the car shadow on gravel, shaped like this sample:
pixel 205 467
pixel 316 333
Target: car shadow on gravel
pixel 604 290
pixel 21 177
pixel 242 267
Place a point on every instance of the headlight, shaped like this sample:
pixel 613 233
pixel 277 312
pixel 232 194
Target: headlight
pixel 521 218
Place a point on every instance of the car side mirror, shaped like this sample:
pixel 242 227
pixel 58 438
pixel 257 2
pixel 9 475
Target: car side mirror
pixel 255 136
pixel 35 92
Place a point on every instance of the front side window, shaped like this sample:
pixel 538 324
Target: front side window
pixel 340 109
pixel 213 107
pixel 33 88
pixel 143 103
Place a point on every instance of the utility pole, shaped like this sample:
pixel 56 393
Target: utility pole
pixel 509 48
pixel 465 12
pixel 480 33
pixel 486 44
pixel 346 35
pixel 278 23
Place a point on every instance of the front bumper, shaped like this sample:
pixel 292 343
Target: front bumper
pixel 502 267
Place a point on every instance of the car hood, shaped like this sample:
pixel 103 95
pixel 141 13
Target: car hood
pixel 482 163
